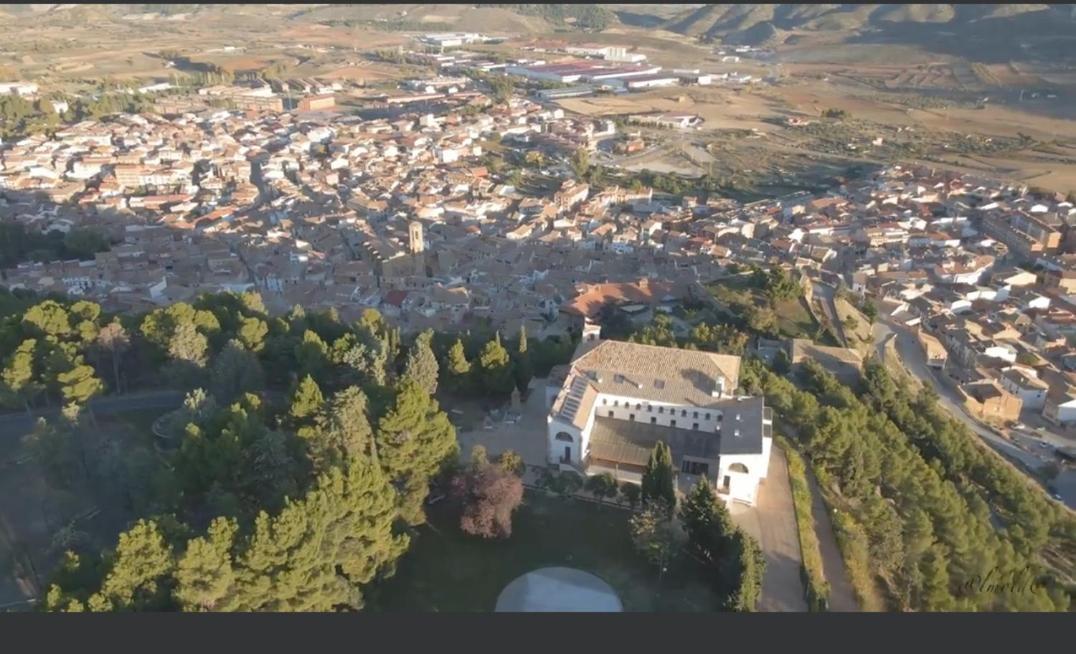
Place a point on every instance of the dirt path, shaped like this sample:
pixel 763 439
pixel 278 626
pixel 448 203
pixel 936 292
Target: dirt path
pixel 842 597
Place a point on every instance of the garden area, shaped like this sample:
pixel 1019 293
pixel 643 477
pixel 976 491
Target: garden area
pixel 448 570
pixel 777 310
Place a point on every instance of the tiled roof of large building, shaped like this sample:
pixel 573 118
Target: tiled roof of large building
pixel 630 442
pixel 659 374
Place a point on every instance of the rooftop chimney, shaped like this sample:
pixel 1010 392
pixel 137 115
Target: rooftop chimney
pixel 719 387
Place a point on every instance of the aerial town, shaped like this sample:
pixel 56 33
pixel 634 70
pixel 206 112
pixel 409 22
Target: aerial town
pixel 400 215
pixel 292 293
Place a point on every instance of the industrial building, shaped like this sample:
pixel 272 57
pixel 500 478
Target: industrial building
pixel 565 92
pixel 651 81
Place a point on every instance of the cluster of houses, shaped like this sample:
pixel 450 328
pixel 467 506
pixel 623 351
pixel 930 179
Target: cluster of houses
pixel 982 271
pixel 400 214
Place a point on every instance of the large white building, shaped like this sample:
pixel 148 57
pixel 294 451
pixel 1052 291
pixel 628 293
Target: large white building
pixel 618 399
pixel 23 89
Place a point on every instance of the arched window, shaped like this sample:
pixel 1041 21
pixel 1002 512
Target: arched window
pixel 738 467
pixel 564 436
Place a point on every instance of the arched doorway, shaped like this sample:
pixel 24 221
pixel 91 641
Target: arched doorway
pixel 566 439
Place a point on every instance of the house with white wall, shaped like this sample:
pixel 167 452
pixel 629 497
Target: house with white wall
pixel 1024 384
pixel 618 399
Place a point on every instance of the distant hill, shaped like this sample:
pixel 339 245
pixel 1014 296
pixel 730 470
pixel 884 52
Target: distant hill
pixel 714 21
pixel 981 31
pixel 759 35
pixel 984 30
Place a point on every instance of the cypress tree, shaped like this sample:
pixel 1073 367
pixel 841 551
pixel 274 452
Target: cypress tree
pixel 658 479
pixel 496 368
pixel 421 364
pixel 523 368
pixel 457 367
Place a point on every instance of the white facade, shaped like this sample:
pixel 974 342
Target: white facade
pixel 1030 390
pixel 1061 411
pixel 596 406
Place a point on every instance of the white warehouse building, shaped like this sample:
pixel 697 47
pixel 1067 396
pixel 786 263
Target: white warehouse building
pixel 618 399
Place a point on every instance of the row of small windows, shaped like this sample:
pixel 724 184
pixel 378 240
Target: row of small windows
pixel 654 421
pixel 661 409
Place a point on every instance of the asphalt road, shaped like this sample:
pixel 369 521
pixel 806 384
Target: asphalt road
pixel 825 294
pixel 15 425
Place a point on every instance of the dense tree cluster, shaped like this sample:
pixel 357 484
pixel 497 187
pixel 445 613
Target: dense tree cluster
pixel 717 337
pixel 314 555
pixel 304 449
pixel 17 244
pixel 732 560
pixel 47 352
pixel 941 523
pixel 490 367
pixel 702 528
pixel 21 117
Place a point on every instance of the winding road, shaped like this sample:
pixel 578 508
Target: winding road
pixel 914 361
pixel 15 425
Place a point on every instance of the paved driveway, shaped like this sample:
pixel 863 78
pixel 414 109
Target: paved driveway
pixel 772 521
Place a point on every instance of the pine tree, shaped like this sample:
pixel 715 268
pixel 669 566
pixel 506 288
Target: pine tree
pixel 19 385
pixel 79 385
pixel 457 368
pixel 113 339
pixel 140 572
pixel 252 302
pixel 496 368
pixel 312 355
pixel 252 332
pixel 49 318
pixel 315 554
pixel 236 370
pixel 658 478
pixel 205 574
pixel 414 440
pixel 934 567
pixel 306 401
pixel 343 431
pixel 421 364
pixel 188 345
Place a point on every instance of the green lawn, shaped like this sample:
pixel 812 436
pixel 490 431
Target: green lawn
pixel 446 570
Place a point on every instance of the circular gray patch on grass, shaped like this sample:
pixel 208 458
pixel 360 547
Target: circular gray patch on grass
pixel 558 590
